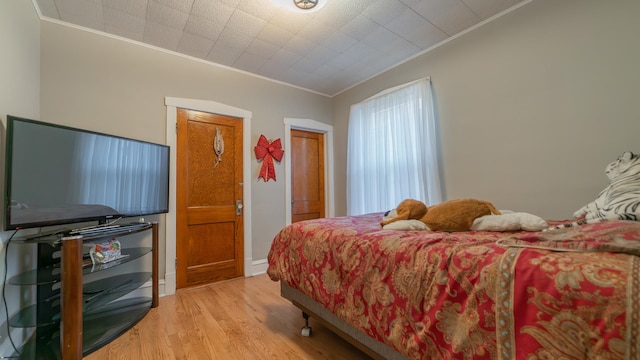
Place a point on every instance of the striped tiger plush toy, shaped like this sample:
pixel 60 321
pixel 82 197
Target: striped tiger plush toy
pixel 618 201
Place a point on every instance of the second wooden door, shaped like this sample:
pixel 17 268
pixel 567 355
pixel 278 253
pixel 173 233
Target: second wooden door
pixel 307 182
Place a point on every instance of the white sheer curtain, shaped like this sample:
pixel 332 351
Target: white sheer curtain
pixel 124 175
pixel 392 150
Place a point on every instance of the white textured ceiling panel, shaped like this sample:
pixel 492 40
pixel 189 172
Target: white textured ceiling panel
pixel 327 51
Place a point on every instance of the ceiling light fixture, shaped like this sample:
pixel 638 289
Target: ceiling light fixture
pixel 301 6
pixel 305 4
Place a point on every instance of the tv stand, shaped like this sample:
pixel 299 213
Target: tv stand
pixel 93 229
pixel 102 225
pixel 71 287
pixel 88 314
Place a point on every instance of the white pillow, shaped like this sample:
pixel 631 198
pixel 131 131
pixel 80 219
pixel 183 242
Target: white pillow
pixel 406 225
pixel 509 221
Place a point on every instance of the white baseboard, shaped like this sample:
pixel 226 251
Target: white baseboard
pixel 258 267
pixel 167 286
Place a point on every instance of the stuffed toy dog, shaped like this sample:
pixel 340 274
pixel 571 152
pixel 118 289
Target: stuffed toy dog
pixel 452 215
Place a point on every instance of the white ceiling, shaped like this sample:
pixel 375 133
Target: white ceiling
pixel 328 51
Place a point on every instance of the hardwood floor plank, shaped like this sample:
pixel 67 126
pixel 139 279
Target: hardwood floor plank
pixel 238 319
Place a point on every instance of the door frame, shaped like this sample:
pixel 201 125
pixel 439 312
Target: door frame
pixel 318 127
pixel 172 105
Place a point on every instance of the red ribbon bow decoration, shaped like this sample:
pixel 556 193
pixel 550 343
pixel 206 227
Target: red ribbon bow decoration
pixel 267 151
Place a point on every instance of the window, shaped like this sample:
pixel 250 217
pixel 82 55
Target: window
pixel 392 150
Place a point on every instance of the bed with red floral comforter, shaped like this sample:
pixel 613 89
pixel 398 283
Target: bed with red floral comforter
pixel 571 293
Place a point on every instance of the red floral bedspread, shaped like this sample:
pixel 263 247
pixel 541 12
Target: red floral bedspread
pixel 564 294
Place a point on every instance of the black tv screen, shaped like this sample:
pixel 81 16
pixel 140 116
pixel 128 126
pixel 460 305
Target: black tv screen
pixel 58 175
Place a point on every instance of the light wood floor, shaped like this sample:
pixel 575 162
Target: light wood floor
pixel 238 319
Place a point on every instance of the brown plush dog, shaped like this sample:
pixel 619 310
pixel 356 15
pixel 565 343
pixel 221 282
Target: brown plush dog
pixel 452 215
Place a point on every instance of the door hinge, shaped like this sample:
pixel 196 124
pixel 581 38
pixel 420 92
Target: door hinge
pixel 176 263
pixel 176 128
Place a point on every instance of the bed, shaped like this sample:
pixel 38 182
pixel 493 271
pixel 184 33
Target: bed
pixel 570 293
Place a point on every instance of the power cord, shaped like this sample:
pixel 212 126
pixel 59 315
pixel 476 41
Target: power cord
pixel 4 298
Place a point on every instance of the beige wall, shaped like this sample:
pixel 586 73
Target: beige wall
pixel 20 96
pixel 19 59
pixel 531 106
pixel 19 68
pixel 109 85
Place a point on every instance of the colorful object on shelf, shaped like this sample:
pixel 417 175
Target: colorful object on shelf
pixel 267 151
pixel 105 250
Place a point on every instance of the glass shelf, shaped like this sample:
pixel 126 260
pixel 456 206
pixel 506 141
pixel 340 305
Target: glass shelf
pixel 47 275
pixel 125 229
pixel 95 295
pixel 129 254
pixel 97 330
pixel 56 237
pixel 51 274
pixel 34 316
pixel 101 292
pixel 102 327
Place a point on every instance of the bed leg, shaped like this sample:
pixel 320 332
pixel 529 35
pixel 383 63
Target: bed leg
pixel 306 330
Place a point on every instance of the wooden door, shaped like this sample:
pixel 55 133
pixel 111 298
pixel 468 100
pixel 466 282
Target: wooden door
pixel 307 169
pixel 209 220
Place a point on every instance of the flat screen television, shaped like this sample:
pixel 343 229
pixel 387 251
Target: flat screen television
pixel 57 175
